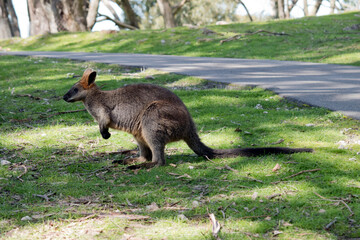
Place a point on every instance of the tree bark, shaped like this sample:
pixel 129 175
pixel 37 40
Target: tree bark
pixel 290 7
pixel 281 7
pixel 177 8
pixel 91 16
pixel 57 15
pixel 131 16
pixel 14 25
pixel 5 28
pixel 118 23
pixel 166 12
pixel 275 8
pixel 111 9
pixel 316 7
pixel 306 9
pixel 332 6
pixel 247 11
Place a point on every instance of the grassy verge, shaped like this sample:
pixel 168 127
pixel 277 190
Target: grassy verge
pixel 325 39
pixel 58 180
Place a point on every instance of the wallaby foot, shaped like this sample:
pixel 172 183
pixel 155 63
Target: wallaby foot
pixel 105 134
pixel 145 165
pixel 129 161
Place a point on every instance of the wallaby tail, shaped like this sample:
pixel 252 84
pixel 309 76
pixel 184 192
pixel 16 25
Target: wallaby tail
pixel 252 152
pixel 201 149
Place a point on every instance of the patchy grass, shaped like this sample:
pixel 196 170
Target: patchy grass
pixel 322 39
pixel 60 181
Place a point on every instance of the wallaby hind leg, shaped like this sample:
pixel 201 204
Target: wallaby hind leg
pixel 145 151
pixel 145 155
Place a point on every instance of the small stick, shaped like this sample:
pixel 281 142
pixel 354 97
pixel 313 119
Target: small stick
pixel 227 167
pixel 253 33
pixel 273 196
pixel 260 216
pixel 22 174
pixel 341 201
pixel 29 96
pixel 215 226
pixel 60 113
pixel 207 158
pixel 327 227
pixel 301 172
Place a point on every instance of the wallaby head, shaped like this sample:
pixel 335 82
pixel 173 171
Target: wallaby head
pixel 80 89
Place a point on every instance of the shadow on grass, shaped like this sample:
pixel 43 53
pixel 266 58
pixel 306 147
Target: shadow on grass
pixel 79 182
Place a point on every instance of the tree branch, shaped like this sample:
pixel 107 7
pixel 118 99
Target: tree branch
pixel 118 23
pixel 247 11
pixel 111 9
pixel 177 8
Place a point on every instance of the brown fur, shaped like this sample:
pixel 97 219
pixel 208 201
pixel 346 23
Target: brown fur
pixel 154 116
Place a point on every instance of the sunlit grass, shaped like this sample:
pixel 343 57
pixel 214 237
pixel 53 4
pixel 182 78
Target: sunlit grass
pixel 90 198
pixel 312 39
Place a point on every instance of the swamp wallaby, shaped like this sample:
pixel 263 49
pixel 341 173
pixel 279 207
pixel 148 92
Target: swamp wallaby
pixel 155 116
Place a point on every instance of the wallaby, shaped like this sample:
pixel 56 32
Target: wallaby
pixel 155 116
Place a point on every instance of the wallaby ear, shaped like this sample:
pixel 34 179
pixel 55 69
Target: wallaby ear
pixel 88 78
pixel 92 77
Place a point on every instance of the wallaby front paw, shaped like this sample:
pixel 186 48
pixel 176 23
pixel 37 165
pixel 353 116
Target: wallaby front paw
pixel 105 135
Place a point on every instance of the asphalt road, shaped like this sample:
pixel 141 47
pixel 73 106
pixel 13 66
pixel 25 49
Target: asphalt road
pixel 336 87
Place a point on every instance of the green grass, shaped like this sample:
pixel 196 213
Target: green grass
pixel 312 39
pixel 90 198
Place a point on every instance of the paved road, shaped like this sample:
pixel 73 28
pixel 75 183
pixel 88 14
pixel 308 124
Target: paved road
pixel 335 87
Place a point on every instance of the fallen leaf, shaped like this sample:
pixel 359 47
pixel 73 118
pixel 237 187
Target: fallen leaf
pixel 182 217
pixel 255 195
pixel 215 225
pixel 184 176
pixel 276 168
pixel 152 207
pixel 26 218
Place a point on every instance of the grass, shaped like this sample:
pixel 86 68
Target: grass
pixel 61 177
pixel 312 39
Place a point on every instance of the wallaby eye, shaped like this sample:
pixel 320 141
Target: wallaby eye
pixel 76 90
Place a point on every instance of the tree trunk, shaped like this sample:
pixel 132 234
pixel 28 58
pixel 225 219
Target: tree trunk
pixel 5 28
pixel 57 15
pixel 166 12
pixel 275 8
pixel 316 7
pixel 306 9
pixel 247 11
pixel 332 6
pixel 290 7
pixel 14 25
pixel 91 16
pixel 131 16
pixel 281 7
pixel 111 9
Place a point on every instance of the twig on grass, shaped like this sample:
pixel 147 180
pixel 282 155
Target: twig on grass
pixel 60 113
pixel 301 172
pixel 339 201
pixel 247 217
pixel 23 173
pixel 329 225
pixel 215 226
pixel 207 158
pixel 45 196
pixel 238 36
pixel 273 195
pixel 29 96
pixel 296 174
